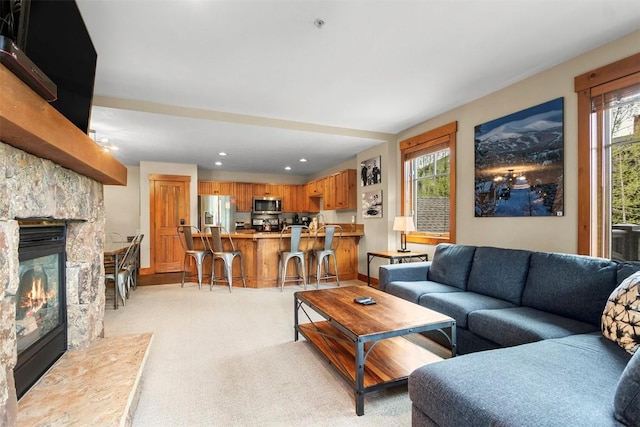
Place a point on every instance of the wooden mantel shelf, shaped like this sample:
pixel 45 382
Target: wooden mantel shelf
pixel 29 123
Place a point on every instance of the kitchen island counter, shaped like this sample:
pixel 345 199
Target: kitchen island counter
pixel 260 253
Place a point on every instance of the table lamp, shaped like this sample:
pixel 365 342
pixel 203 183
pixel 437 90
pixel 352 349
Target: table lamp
pixel 403 224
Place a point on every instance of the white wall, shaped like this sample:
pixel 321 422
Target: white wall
pixel 553 234
pixel 540 233
pixel 122 205
pixel 378 235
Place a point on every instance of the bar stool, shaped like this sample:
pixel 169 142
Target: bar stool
pixel 296 251
pixel 332 236
pixel 227 258
pixel 186 236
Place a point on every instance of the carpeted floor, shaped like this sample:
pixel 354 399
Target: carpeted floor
pixel 222 359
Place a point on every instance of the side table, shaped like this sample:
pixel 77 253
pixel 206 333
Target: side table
pixel 393 257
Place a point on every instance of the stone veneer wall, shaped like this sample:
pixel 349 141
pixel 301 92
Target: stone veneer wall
pixel 31 187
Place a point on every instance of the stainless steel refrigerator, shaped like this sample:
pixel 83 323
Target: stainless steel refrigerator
pixel 217 210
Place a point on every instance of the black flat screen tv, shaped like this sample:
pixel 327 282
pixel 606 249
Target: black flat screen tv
pixel 54 37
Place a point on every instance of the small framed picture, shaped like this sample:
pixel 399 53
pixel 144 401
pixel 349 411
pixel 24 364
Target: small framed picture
pixel 372 204
pixel 370 172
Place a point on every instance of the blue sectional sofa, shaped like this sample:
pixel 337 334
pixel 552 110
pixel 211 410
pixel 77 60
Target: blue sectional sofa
pixel 529 332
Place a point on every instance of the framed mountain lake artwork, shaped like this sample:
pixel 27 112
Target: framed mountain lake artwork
pixel 519 163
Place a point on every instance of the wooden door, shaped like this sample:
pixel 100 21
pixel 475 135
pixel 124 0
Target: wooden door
pixel 169 204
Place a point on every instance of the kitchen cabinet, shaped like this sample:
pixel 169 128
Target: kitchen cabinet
pixel 315 188
pixel 346 196
pixel 267 190
pixel 215 188
pixel 244 196
pixel 329 195
pixel 334 192
pixel 242 190
pixel 294 198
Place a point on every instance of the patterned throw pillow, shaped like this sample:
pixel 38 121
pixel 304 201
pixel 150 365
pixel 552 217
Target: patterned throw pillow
pixel 621 316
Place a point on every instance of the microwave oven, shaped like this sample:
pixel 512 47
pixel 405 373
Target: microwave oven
pixel 267 205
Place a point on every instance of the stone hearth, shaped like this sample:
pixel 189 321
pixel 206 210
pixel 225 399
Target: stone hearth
pixel 31 187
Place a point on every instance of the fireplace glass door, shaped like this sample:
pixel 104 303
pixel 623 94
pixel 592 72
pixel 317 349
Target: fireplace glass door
pixel 38 303
pixel 41 328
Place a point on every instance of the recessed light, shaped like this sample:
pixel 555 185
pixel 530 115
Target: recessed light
pixel 222 153
pixel 218 163
pixel 302 160
pixel 287 168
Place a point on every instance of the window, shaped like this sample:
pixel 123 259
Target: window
pixel 428 173
pixel 609 160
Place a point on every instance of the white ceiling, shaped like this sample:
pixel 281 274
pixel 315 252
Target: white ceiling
pixel 179 81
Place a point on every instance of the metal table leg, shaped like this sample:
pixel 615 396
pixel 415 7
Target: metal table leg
pixel 359 377
pixel 295 317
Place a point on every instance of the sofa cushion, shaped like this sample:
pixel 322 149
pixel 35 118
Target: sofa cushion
pixel 451 264
pixel 573 286
pixel 403 272
pixel 626 269
pixel 559 382
pixel 499 273
pixel 412 291
pixel 627 398
pixel 459 304
pixel 621 316
pixel 521 325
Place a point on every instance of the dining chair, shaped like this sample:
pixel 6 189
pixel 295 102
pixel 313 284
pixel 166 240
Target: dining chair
pixel 227 257
pixel 326 251
pixel 134 261
pixel 291 247
pixel 187 235
pixel 121 275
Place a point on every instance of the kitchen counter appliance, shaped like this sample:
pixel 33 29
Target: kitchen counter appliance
pixel 265 222
pixel 267 205
pixel 217 210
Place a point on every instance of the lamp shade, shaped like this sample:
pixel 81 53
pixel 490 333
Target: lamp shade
pixel 404 224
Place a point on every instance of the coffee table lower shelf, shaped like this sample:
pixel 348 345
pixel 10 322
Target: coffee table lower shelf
pixel 387 364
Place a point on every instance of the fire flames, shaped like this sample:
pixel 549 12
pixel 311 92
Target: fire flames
pixel 37 297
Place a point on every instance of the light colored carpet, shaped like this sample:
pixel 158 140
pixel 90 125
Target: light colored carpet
pixel 221 359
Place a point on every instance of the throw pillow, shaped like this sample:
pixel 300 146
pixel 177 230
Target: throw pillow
pixel 621 316
pixel 626 404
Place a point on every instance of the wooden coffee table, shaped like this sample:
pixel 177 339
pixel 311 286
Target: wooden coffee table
pixel 364 342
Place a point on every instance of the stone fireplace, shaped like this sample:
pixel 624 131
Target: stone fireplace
pixel 32 187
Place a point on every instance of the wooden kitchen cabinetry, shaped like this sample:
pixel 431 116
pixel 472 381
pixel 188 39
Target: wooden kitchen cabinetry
pixel 244 196
pixel 294 198
pixel 330 192
pixel 333 192
pixel 338 192
pixel 216 187
pixel 346 196
pixel 315 188
pixel 267 190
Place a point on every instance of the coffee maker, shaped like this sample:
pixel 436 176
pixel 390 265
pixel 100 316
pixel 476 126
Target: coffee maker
pixel 306 220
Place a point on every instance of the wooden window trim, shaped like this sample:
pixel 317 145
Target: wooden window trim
pixel 445 133
pixel 586 86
